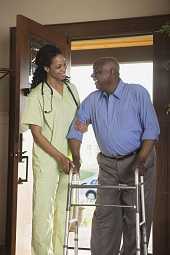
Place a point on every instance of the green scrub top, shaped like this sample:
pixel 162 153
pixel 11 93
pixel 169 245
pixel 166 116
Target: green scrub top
pixel 55 124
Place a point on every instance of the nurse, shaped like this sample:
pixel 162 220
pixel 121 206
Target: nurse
pixel 49 111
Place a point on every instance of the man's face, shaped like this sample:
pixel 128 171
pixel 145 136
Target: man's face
pixel 103 76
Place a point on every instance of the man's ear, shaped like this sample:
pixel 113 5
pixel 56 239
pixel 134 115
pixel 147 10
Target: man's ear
pixel 112 71
pixel 46 68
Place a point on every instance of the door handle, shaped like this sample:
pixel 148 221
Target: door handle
pixel 26 160
pixel 167 109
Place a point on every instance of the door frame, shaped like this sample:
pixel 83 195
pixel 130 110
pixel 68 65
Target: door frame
pixel 77 31
pixel 112 28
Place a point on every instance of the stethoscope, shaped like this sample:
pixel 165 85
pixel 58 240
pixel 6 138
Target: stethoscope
pixel 42 93
pixel 51 92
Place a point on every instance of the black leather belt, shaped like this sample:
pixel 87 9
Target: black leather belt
pixel 120 157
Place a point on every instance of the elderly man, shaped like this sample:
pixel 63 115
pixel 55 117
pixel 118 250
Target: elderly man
pixel 126 128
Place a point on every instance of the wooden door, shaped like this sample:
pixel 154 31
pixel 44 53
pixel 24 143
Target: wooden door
pixel 28 36
pixel 161 227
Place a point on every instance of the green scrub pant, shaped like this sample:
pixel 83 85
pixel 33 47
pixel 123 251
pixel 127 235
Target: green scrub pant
pixel 49 211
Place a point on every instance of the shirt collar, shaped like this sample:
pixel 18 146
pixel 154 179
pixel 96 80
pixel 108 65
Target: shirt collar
pixel 118 91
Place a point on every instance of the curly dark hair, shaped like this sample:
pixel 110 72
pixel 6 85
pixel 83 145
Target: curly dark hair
pixel 43 58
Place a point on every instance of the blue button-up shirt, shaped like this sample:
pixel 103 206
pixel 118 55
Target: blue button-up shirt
pixel 121 120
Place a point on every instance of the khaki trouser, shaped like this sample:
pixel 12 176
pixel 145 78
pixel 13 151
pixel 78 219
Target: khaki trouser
pixel 110 222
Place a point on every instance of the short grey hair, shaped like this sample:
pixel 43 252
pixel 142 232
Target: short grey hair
pixel 105 60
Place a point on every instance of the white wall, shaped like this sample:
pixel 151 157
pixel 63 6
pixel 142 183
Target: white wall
pixel 53 12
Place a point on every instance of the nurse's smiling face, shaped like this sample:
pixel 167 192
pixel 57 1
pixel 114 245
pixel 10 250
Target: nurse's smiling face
pixel 57 68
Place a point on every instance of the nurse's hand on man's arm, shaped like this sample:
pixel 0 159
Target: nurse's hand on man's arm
pixel 80 126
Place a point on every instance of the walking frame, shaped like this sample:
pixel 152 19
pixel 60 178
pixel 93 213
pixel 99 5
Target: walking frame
pixel 73 201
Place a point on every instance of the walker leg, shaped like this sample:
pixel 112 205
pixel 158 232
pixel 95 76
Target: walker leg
pixel 144 237
pixel 76 198
pixel 138 250
pixel 76 240
pixel 68 210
